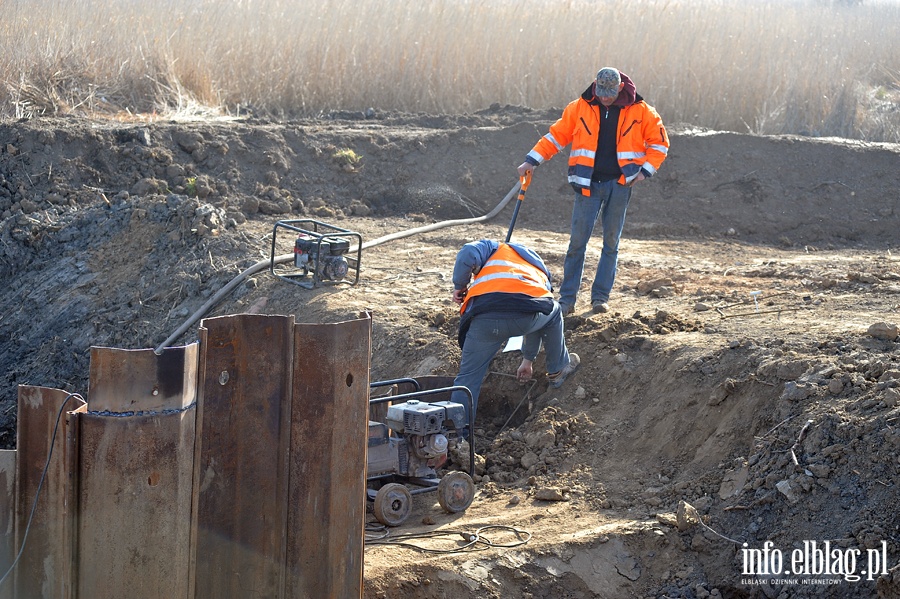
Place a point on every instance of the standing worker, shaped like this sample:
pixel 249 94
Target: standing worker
pixel 617 140
pixel 510 295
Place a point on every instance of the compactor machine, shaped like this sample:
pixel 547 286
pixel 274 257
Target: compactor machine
pixel 411 436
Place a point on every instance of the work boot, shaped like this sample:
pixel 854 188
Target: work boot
pixel 558 378
pixel 566 309
pixel 600 307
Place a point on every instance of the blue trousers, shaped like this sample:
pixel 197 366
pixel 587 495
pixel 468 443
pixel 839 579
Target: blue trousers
pixel 488 334
pixel 608 202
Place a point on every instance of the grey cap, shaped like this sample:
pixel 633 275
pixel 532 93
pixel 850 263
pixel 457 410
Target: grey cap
pixel 607 84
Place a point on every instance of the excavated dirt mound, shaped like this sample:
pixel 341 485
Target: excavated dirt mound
pixel 744 388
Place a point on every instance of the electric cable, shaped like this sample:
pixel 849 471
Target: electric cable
pixel 519 405
pixel 262 264
pixel 37 494
pixel 375 532
pixel 471 541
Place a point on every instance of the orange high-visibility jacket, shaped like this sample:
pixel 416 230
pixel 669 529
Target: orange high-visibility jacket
pixel 508 272
pixel 642 141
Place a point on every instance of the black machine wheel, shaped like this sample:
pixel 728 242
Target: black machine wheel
pixel 456 492
pixel 393 504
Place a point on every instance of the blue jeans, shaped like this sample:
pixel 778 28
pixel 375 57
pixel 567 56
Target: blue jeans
pixel 608 201
pixel 487 334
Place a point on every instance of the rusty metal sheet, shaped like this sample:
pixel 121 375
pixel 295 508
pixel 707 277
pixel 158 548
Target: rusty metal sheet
pixel 242 449
pixel 329 421
pixel 162 385
pixel 45 568
pixel 7 517
pixel 134 484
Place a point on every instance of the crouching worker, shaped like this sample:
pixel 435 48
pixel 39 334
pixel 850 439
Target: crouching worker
pixel 510 296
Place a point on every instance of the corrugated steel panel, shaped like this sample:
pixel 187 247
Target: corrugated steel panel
pixel 242 450
pixel 127 380
pixel 252 486
pixel 135 471
pixel 45 568
pixel 8 549
pixel 329 422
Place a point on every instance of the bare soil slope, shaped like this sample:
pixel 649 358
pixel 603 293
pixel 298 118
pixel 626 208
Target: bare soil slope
pixel 695 388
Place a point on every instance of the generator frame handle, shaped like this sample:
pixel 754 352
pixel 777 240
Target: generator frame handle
pixel 327 231
pixel 389 382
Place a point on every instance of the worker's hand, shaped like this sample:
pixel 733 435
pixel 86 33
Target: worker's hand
pixel 640 177
pixel 525 372
pixel 458 296
pixel 524 168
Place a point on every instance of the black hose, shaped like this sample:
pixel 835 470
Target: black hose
pixel 262 264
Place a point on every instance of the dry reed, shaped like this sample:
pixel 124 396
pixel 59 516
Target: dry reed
pixel 817 68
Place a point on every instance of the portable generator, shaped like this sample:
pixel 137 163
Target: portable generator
pixel 323 253
pixel 408 443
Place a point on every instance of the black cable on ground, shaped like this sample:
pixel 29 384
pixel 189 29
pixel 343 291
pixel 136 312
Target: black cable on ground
pixel 37 494
pixel 471 541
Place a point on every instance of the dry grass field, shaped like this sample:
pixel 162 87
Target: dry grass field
pixel 815 68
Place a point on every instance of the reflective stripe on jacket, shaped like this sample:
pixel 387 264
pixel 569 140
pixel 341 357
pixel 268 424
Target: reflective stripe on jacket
pixel 642 141
pixel 508 272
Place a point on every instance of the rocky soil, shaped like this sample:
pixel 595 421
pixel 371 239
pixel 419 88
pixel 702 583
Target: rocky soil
pixel 743 389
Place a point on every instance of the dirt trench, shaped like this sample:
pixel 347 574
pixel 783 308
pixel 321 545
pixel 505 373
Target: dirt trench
pixel 602 477
pixel 755 386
